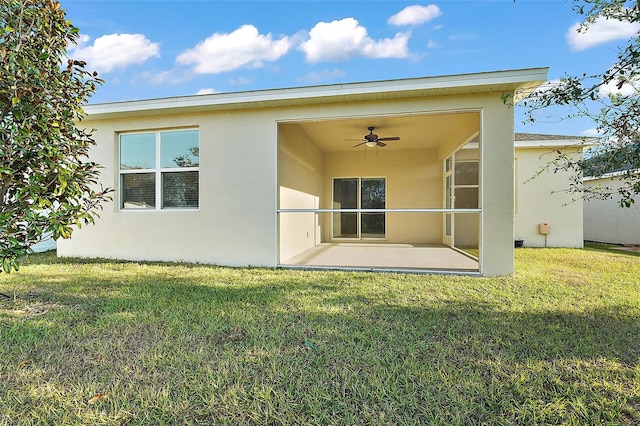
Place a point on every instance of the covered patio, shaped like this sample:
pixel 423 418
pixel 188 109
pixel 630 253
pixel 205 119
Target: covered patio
pixel 412 203
pixel 389 257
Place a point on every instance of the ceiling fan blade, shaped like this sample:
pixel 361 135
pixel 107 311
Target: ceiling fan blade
pixel 390 138
pixel 361 143
pixel 381 144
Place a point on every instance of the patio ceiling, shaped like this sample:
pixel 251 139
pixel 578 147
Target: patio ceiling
pixel 415 131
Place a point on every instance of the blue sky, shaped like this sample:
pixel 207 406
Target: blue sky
pixel 155 49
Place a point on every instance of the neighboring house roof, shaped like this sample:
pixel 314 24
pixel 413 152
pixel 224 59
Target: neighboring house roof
pixel 538 140
pixel 612 175
pixel 521 82
pixel 613 158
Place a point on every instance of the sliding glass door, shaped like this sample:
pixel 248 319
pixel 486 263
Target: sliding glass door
pixel 359 194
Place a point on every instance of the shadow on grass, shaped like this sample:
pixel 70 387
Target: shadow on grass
pixel 466 332
pixel 483 332
pixel 324 344
pixel 609 248
pixel 50 258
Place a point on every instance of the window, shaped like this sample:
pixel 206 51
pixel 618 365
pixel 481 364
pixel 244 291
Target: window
pixel 159 170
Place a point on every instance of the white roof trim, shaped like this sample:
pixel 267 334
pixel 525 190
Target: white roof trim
pixel 610 176
pixel 577 143
pixel 523 79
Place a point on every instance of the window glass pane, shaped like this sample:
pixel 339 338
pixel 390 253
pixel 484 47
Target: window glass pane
pixel 345 196
pixel 180 149
pixel 373 194
pixel 373 225
pixel 345 225
pixel 138 151
pixel 447 164
pixel 138 191
pixel 466 173
pixel 180 189
pixel 466 198
pixel 345 193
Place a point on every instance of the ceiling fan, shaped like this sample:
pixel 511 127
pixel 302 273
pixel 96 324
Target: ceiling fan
pixel 372 139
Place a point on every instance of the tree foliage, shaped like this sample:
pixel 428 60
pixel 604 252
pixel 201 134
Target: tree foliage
pixel 610 99
pixel 47 183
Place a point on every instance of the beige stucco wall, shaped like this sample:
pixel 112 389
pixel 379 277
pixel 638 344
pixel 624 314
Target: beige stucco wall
pixel 542 200
pixel 605 221
pixel 300 187
pixel 497 183
pixel 236 223
pixel 413 179
pixel 237 158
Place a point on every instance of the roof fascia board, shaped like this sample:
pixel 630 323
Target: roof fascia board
pixel 611 176
pixel 515 78
pixel 556 143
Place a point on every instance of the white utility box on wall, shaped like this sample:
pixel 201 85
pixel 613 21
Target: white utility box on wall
pixel 544 228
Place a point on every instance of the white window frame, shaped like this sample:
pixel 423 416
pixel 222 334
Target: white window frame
pixel 158 171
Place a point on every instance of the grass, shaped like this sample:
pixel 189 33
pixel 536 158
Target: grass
pixel 116 343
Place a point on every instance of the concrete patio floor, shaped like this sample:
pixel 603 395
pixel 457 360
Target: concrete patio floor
pixel 381 256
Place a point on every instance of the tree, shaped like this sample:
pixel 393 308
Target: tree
pixel 47 183
pixel 611 99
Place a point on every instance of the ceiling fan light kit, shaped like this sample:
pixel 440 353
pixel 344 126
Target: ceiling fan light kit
pixel 372 140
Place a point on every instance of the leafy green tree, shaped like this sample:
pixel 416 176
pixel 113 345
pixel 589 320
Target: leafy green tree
pixel 610 99
pixel 47 183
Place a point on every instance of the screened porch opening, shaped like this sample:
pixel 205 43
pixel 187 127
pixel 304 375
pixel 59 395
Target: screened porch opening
pixel 414 204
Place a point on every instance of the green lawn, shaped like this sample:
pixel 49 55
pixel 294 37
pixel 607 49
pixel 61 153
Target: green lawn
pixel 97 342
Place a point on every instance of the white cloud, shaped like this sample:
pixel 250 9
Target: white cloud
pixel 415 15
pixel 244 47
pixel 628 88
pixel 432 45
pixel 601 31
pixel 115 51
pixel 541 90
pixel 548 85
pixel 591 133
pixel 345 39
pixel 207 91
